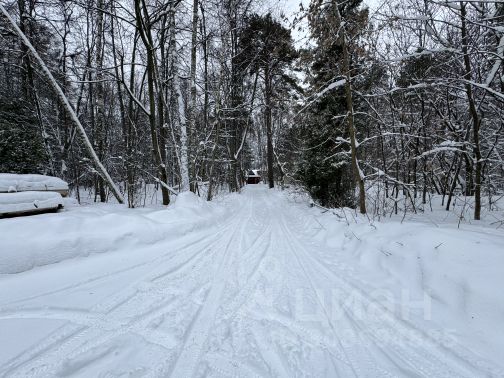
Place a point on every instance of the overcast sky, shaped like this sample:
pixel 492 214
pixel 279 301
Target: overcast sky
pixel 291 7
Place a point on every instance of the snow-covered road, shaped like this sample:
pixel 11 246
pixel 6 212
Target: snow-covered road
pixel 258 297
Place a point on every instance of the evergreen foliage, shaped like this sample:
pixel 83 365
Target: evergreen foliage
pixel 21 145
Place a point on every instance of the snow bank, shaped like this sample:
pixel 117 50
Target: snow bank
pixel 459 269
pixel 29 201
pixel 10 182
pixel 80 231
pixel 188 200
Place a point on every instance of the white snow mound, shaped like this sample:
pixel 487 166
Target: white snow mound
pixel 28 242
pixel 188 200
pixel 10 182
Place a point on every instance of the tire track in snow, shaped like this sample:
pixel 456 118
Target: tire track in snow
pixel 358 358
pixel 466 361
pixel 102 277
pixel 165 257
pixel 250 325
pixel 420 360
pixel 68 337
pixel 262 240
pixel 197 334
pixel 454 356
pixel 207 290
pixel 227 367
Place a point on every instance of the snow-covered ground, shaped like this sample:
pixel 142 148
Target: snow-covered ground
pixel 256 284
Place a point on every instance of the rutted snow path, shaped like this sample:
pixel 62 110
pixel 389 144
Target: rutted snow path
pixel 247 301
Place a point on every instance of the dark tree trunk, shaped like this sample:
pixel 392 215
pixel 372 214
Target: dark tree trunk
pixel 269 129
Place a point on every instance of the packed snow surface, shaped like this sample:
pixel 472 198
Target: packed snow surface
pixel 254 285
pixel 11 182
pixel 28 201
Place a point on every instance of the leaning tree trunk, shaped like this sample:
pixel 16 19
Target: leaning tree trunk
pixel 68 107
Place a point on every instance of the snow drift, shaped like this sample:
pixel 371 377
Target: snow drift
pixel 80 231
pixel 457 267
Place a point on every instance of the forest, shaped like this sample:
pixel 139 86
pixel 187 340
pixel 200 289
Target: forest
pixel 251 188
pixel 374 109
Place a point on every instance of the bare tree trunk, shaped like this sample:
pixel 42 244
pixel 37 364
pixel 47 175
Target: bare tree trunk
pixel 119 72
pixel 358 175
pixel 269 131
pixel 206 102
pixel 161 123
pixel 99 135
pixel 474 115
pixel 235 101
pixel 181 113
pixel 192 107
pixel 211 178
pixel 144 28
